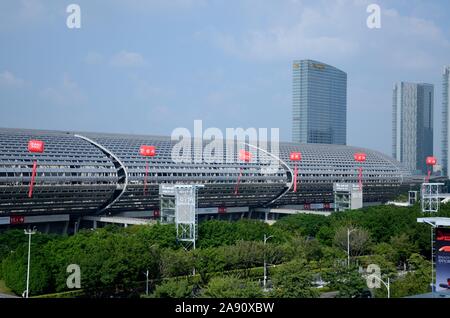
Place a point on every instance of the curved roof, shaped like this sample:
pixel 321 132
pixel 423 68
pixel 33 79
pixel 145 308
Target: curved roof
pixel 91 172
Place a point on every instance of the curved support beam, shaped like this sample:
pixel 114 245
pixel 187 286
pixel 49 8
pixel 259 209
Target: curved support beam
pixel 122 188
pixel 288 185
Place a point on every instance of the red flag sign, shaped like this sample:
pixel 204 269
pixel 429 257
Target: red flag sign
pixel 36 146
pixel 245 155
pixel 147 151
pixel 295 156
pixel 360 157
pixel 431 161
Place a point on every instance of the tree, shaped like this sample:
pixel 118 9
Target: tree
pixel 176 263
pixel 293 280
pixel 14 270
pixel 385 250
pixel 403 246
pixel 231 287
pixel 303 224
pixel 174 289
pixel 359 239
pixel 415 282
pixel 347 281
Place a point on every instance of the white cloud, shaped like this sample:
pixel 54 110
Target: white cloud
pixel 66 93
pixel 10 80
pixel 332 30
pixel 128 59
pixel 309 32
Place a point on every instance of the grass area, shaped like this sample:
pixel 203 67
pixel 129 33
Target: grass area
pixel 4 289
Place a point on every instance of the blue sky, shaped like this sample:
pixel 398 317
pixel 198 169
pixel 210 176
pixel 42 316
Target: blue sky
pixel 151 66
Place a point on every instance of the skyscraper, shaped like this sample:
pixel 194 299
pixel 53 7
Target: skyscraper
pixel 319 103
pixel 445 121
pixel 412 124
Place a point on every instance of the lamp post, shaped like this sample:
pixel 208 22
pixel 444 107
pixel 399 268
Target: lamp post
pixel 386 284
pixel 146 286
pixel 348 246
pixel 29 233
pixel 265 263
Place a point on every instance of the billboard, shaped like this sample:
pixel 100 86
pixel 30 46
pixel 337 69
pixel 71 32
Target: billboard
pixel 185 204
pixel 442 259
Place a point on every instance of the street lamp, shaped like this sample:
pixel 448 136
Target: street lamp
pixel 265 263
pixel 348 246
pixel 29 233
pixel 386 284
pixel 146 287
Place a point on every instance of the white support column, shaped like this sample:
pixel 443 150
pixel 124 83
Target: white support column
pixel 66 227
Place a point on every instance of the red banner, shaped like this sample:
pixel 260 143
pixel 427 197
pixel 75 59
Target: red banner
pixel 360 177
pixel 236 188
pixel 36 146
pixel 245 156
pixel 33 177
pixel 295 156
pixel 431 161
pixel 147 151
pixel 145 178
pixel 295 178
pixel 15 219
pixel 360 157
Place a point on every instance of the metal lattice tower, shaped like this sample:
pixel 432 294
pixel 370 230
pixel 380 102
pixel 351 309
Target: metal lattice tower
pixel 186 218
pixel 179 205
pixel 347 196
pixel 430 199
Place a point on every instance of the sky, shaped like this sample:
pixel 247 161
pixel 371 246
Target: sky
pixel 148 67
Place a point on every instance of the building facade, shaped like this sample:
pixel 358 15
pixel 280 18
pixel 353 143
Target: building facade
pixel 93 173
pixel 445 121
pixel 412 124
pixel 319 103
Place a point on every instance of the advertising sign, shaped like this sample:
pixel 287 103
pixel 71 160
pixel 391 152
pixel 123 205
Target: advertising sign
pixel 36 146
pixel 442 259
pixel 185 205
pixel 15 219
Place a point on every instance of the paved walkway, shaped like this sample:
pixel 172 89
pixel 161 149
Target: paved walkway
pixel 7 296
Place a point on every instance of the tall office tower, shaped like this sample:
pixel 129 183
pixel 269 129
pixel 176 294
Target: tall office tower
pixel 319 103
pixel 445 121
pixel 412 124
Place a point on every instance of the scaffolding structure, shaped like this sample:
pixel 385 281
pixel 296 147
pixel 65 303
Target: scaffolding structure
pixel 431 197
pixel 179 206
pixel 412 197
pixel 347 196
